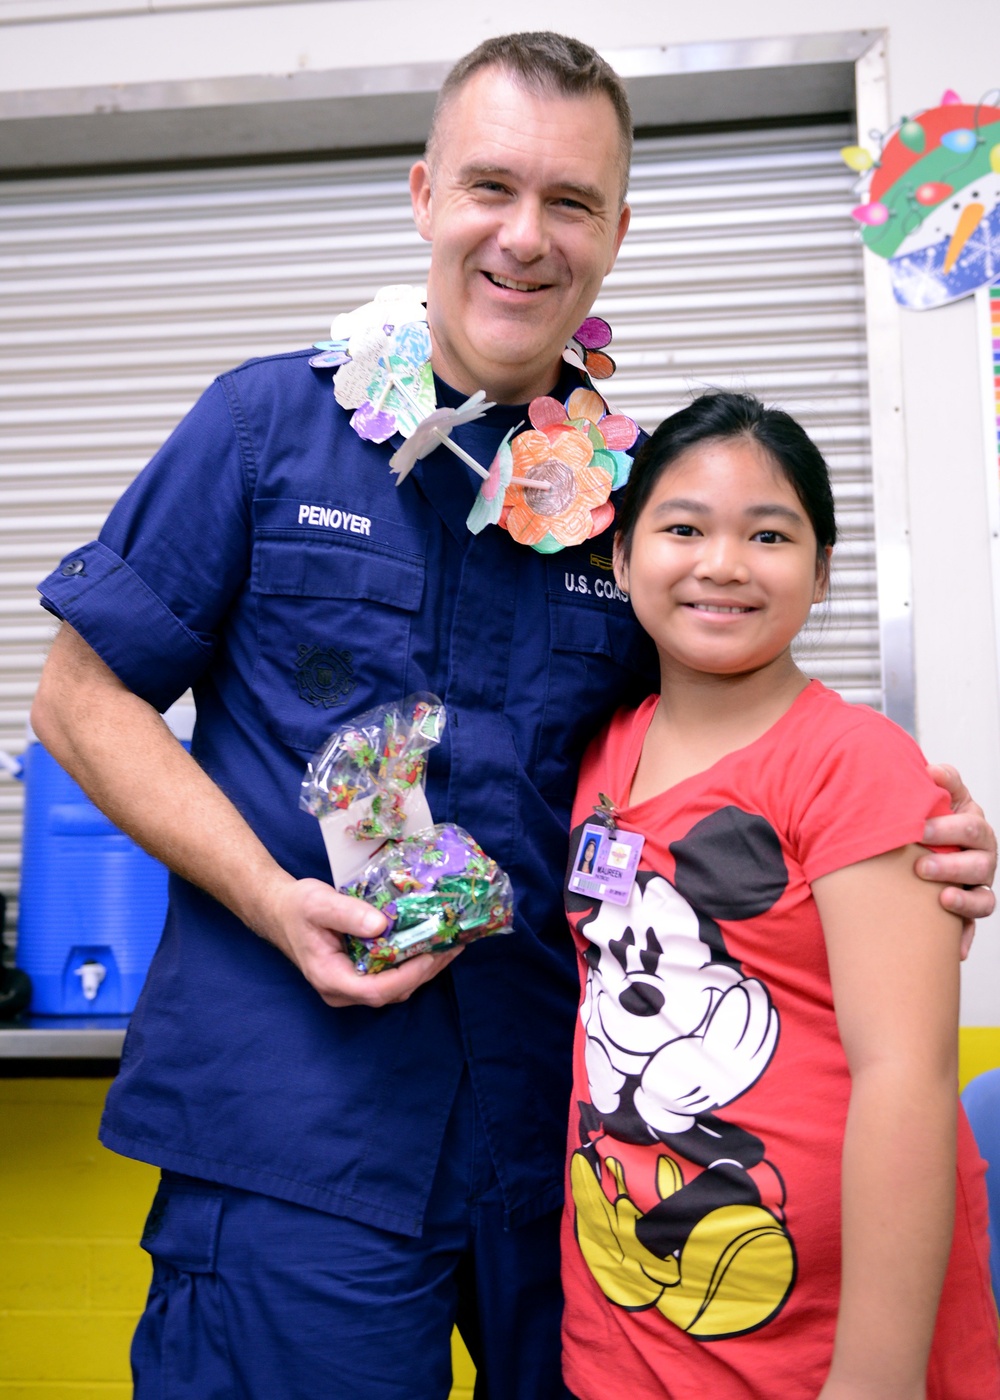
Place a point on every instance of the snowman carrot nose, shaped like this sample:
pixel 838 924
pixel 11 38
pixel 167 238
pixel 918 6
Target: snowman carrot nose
pixel 968 221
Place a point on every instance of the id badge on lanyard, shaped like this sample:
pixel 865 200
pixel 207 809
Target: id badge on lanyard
pixel 606 857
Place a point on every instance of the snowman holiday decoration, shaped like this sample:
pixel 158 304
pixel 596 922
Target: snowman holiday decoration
pixel 932 201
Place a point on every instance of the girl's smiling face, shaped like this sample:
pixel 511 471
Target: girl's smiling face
pixel 724 564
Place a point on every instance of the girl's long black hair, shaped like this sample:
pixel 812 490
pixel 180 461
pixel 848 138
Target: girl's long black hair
pixel 715 417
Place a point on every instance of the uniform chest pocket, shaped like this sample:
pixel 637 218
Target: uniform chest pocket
pixel 598 662
pixel 333 631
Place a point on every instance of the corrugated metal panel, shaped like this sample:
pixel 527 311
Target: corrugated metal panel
pixel 122 296
pixel 742 270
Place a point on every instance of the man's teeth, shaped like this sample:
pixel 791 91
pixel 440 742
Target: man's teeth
pixel 714 608
pixel 514 286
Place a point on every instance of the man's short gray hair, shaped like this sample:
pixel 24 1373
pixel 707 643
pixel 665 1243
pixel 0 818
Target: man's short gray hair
pixel 546 63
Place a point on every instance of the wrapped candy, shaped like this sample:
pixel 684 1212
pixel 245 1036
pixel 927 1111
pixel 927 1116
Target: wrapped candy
pixel 437 888
pixel 366 784
pixel 434 884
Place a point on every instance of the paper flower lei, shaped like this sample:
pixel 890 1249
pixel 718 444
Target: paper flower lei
pixel 581 451
pixel 548 486
pixel 382 356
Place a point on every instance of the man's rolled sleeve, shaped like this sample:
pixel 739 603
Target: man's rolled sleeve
pixel 150 593
pixel 153 653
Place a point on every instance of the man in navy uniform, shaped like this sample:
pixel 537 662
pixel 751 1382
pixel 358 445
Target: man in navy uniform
pixel 351 1165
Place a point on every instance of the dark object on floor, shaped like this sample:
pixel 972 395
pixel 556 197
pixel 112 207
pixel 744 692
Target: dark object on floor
pixel 15 985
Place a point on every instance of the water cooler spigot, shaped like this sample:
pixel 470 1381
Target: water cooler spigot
pixel 91 975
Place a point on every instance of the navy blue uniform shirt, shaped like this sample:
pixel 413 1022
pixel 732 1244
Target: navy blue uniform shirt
pixel 267 558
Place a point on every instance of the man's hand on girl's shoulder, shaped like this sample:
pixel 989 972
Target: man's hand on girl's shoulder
pixel 966 873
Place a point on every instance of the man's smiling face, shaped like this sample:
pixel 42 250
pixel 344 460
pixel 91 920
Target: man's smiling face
pixel 522 204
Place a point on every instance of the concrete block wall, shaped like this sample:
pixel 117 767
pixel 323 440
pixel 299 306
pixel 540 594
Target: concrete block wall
pixel 72 1275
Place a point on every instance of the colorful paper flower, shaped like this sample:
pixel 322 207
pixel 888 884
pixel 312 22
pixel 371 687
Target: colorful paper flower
pixel 392 306
pixel 581 451
pixel 549 486
pixel 489 503
pixel 585 346
pixel 388 381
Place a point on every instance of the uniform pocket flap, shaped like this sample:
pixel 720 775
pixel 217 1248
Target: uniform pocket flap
pixel 183 1227
pixel 594 632
pixel 311 568
pixel 577 628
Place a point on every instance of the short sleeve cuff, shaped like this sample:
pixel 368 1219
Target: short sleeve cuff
pixel 890 838
pixel 129 627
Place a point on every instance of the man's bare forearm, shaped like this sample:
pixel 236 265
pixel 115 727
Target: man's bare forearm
pixel 122 754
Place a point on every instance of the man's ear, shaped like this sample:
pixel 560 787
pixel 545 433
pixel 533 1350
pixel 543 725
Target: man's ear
pixel 822 574
pixel 624 219
pixel 620 564
pixel 420 198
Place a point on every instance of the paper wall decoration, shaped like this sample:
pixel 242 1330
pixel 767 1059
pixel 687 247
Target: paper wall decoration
pixel 988 317
pixel 930 200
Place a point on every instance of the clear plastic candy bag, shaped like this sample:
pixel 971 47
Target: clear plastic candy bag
pixel 366 784
pixel 437 888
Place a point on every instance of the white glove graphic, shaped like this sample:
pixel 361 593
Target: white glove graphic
pixel 702 1072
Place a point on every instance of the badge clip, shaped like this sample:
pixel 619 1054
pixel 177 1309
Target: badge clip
pixel 606 858
pixel 606 813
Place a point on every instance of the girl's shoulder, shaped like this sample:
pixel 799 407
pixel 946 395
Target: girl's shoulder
pixel 821 716
pixel 825 741
pixel 848 782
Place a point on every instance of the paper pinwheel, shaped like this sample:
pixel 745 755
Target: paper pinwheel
pixel 580 451
pixel 434 431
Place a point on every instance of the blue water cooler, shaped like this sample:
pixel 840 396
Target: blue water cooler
pixel 92 903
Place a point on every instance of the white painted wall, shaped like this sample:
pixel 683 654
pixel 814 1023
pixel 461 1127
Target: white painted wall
pixel 55 43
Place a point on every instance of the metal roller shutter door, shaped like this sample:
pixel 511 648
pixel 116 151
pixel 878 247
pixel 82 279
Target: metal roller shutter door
pixel 122 295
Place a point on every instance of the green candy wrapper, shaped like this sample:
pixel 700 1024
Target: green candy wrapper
pixel 437 888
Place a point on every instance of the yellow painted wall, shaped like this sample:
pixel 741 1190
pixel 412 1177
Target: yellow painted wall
pixel 978 1050
pixel 72 1276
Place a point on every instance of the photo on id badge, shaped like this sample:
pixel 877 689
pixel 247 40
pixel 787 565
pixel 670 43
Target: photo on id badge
pixel 604 863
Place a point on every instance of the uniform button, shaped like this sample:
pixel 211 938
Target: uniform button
pixel 74 566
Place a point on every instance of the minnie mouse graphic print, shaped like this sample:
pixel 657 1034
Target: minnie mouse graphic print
pixel 701 1238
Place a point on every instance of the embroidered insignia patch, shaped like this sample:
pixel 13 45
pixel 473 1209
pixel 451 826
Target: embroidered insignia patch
pixel 325 676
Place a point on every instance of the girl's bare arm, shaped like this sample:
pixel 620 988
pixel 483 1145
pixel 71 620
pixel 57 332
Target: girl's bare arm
pixel 894 967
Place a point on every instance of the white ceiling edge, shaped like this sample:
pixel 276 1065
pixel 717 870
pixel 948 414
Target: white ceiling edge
pixel 365 108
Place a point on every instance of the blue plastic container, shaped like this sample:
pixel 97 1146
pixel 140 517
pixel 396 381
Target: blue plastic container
pixel 92 903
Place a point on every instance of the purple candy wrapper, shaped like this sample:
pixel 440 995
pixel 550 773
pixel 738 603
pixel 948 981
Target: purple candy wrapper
pixel 437 888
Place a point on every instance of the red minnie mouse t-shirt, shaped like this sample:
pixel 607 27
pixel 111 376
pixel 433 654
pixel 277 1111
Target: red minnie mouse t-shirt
pixel 701 1238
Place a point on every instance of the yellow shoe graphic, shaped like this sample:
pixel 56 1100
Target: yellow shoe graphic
pixel 735 1271
pixel 737 1268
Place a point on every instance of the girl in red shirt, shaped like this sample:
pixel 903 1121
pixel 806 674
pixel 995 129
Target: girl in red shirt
pixel 765 1137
